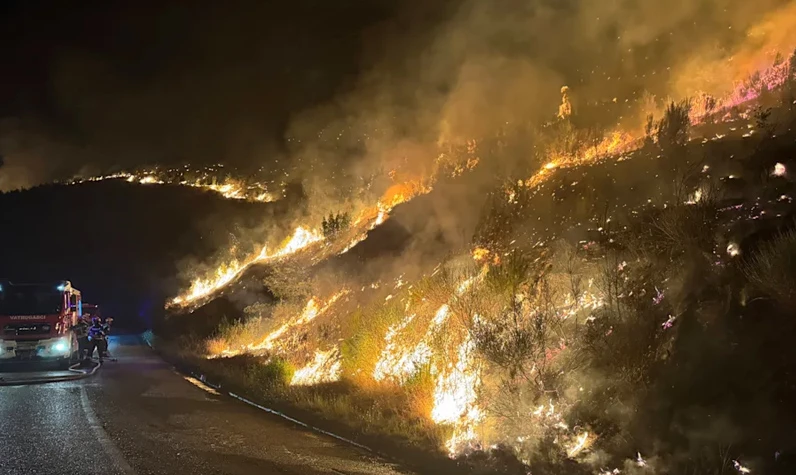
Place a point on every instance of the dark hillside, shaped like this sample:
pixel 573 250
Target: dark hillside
pixel 118 243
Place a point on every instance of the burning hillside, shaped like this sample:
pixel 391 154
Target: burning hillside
pixel 206 179
pixel 603 303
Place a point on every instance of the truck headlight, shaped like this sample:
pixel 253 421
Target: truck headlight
pixel 60 346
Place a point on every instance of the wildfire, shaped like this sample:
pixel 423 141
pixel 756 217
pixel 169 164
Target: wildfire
pixel 615 144
pixel 226 273
pixel 455 397
pixel 326 367
pixel 397 361
pixel 229 188
pixel 311 311
pixel 411 343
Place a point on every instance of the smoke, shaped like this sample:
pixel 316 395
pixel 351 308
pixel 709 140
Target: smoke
pixel 257 86
pixel 28 156
pixel 489 66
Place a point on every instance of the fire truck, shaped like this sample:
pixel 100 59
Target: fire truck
pixel 37 321
pixel 92 309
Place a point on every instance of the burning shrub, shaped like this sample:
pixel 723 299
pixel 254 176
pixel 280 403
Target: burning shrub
pixel 290 283
pixel 365 340
pixel 515 328
pixel 772 269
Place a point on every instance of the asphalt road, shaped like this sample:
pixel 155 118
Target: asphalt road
pixel 138 416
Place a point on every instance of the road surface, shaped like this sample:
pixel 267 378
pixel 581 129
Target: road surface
pixel 138 416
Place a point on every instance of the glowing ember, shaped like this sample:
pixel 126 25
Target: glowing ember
pixel 479 254
pixel 739 467
pixel 326 367
pixel 581 443
pixel 695 197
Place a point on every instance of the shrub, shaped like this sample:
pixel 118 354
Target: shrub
pixel 361 350
pixel 672 129
pixel 772 269
pixel 274 375
pixel 335 223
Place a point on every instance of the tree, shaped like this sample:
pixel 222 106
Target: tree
pixel 335 223
pixel 672 130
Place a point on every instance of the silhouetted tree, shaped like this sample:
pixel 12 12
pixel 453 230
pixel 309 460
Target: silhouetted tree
pixel 672 129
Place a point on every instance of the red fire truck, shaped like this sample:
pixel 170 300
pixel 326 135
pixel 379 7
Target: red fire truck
pixel 92 309
pixel 36 322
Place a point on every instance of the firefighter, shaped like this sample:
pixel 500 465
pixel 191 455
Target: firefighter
pixel 81 333
pixel 97 338
pixel 106 326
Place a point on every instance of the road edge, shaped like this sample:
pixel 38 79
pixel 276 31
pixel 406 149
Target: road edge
pixel 438 465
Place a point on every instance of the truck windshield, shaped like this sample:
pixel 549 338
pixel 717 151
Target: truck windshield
pixel 30 300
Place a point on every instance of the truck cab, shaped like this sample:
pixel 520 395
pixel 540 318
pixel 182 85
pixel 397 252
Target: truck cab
pixel 92 309
pixel 36 321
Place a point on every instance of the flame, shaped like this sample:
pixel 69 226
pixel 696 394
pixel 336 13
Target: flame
pixel 398 362
pixel 326 367
pixel 226 273
pixel 455 398
pixel 229 188
pixel 148 180
pixel 456 386
pixel 387 364
pixel 616 143
pixel 311 311
pixel 302 237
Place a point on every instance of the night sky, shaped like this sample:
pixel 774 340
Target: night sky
pixel 125 83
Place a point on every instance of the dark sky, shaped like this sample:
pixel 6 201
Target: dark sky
pixel 199 81
pixel 122 83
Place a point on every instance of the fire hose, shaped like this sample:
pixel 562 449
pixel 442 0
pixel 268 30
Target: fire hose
pixel 75 369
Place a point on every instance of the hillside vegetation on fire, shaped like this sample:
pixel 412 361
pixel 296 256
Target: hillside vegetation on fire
pixel 614 302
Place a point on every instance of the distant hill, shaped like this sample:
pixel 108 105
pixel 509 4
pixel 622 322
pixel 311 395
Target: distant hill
pixel 119 243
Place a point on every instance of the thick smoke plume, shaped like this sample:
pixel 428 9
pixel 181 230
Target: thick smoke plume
pixel 209 85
